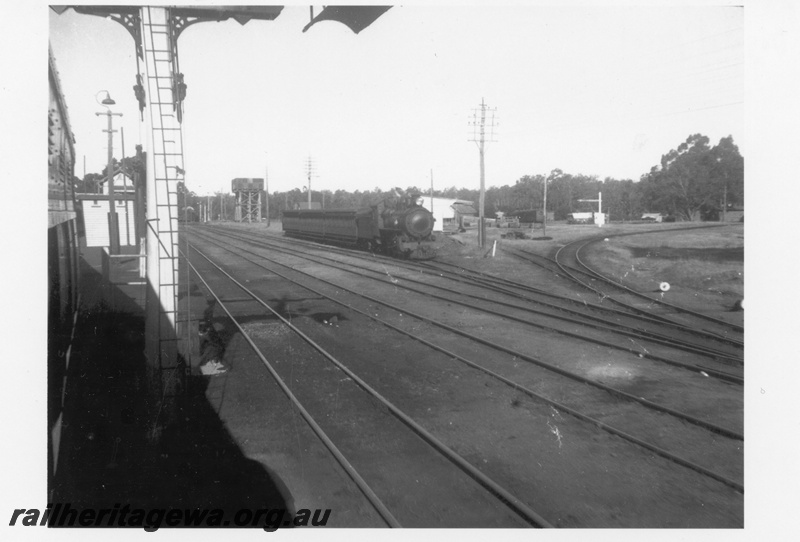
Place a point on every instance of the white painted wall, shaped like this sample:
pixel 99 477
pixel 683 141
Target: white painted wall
pixel 95 220
pixel 442 208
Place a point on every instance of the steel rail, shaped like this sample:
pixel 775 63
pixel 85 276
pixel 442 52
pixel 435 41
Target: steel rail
pixel 606 326
pixel 583 242
pixel 493 283
pixel 613 391
pixel 493 487
pixel 640 314
pixel 612 327
pixel 722 375
pixel 577 414
pixel 367 491
pixel 651 315
pixel 640 294
pixel 586 319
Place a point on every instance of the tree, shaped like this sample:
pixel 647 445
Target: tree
pixel 691 179
pixel 90 184
pixel 562 193
pixel 187 203
pixel 134 167
pixel 527 193
pixel 729 172
pixel 502 199
pixel 620 199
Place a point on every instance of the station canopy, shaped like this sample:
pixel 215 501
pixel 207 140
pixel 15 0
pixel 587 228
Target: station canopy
pixel 241 14
pixel 356 18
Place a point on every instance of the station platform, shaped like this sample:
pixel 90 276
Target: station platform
pixel 107 453
pixel 111 282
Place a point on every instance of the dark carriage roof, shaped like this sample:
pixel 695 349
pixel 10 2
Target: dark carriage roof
pixel 327 212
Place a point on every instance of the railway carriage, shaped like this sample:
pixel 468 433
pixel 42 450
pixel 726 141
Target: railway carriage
pixel 64 227
pixel 400 228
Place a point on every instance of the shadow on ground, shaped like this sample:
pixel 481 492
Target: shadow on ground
pixel 105 458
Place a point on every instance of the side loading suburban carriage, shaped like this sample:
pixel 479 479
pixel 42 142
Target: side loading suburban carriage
pixel 63 228
pixel 400 228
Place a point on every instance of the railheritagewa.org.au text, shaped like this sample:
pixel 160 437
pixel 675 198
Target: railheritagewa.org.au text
pixel 152 519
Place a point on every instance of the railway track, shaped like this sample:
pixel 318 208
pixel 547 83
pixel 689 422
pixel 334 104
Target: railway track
pixel 376 419
pixel 637 321
pixel 728 480
pixel 722 363
pixel 639 326
pixel 570 263
pixel 382 276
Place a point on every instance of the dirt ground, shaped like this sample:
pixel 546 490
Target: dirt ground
pixel 703 267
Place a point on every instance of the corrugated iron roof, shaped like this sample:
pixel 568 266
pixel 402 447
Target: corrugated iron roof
pixel 464 209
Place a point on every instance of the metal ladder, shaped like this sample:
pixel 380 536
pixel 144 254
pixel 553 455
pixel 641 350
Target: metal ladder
pixel 165 168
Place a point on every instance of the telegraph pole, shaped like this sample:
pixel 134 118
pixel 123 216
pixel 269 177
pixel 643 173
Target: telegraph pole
pixel 431 190
pixel 113 230
pixel 309 171
pixel 266 189
pixel 725 199
pixel 481 141
pixel 544 205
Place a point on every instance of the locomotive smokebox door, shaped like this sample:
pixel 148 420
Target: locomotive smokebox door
pixel 419 223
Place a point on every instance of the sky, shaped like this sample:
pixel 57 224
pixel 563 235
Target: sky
pixel 597 89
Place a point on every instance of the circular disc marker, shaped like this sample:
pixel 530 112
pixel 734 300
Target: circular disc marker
pixel 664 286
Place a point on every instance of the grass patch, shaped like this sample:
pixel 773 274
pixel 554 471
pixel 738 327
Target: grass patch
pixel 709 260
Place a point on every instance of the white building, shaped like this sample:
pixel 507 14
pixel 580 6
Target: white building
pixel 122 184
pixel 448 212
pixel 655 217
pixel 95 208
pixel 590 217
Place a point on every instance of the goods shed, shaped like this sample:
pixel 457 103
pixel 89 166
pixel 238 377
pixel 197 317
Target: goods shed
pixel 448 213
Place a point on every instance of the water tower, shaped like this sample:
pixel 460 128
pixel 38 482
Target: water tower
pixel 248 199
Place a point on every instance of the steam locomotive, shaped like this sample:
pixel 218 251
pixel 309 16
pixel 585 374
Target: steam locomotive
pixel 399 227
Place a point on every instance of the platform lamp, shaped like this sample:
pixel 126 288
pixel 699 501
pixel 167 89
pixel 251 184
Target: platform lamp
pixel 113 229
